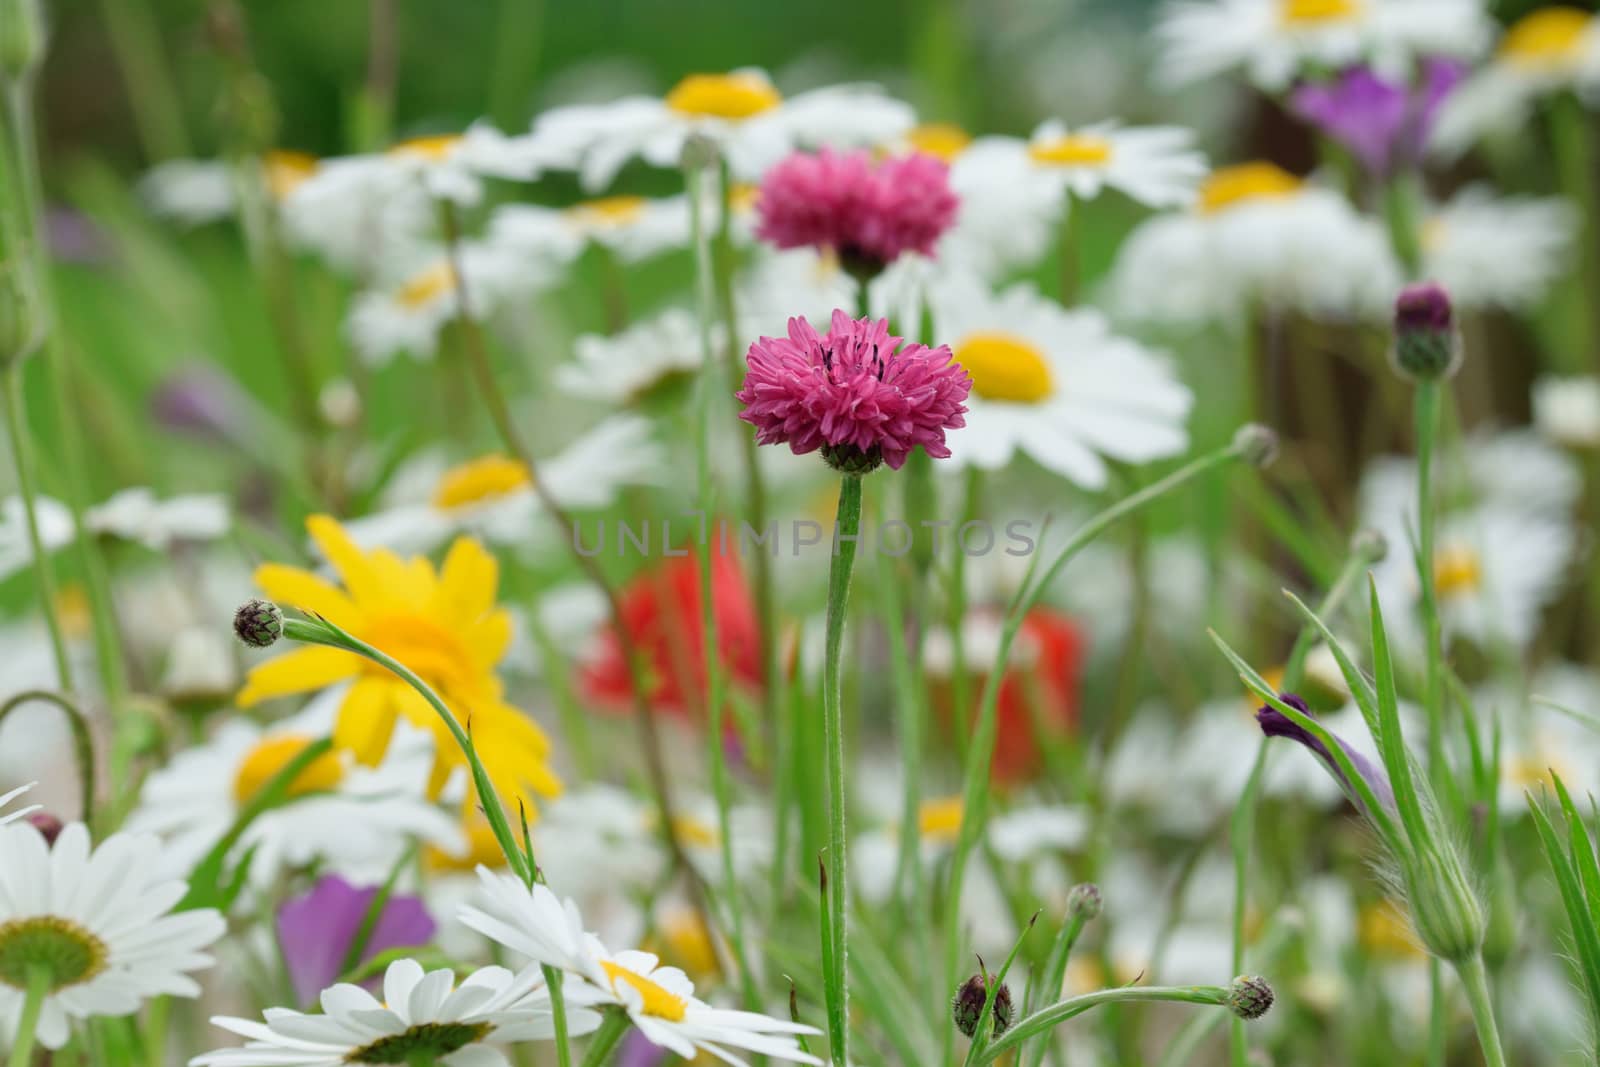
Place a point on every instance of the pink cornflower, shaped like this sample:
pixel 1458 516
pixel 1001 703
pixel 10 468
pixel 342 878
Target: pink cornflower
pixel 868 212
pixel 854 393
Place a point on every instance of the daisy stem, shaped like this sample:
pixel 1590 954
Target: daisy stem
pixel 605 1039
pixel 975 792
pixel 1070 271
pixel 1058 1013
pixel 711 386
pixel 847 528
pixel 1476 983
pixel 82 740
pixel 558 1013
pixel 500 414
pixel 32 1005
pixel 22 460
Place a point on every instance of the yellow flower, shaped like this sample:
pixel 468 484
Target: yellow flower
pixel 443 625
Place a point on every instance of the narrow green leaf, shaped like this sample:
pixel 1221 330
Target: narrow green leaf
pixel 1585 937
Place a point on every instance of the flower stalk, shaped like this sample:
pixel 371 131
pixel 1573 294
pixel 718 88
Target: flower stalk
pixel 32 1005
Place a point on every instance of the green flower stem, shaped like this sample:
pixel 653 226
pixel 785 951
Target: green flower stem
pixel 605 1039
pixel 1058 1013
pixel 1427 428
pixel 1070 269
pixel 910 703
pixel 1476 983
pixel 1402 202
pixel 1242 825
pixel 975 788
pixel 1055 973
pixel 82 740
pixel 1572 140
pixel 22 460
pixel 558 1010
pixel 848 525
pixel 32 1005
pixel 956 605
pixel 710 386
pixel 147 74
pixel 500 413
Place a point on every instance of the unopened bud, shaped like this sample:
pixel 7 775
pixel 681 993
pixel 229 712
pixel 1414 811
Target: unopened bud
pixel 1256 444
pixel 48 825
pixel 699 152
pixel 1426 342
pixel 967 1007
pixel 1249 997
pixel 1370 545
pixel 1085 901
pixel 1446 912
pixel 258 623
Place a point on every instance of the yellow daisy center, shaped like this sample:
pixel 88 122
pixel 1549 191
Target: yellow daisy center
pixel 1072 150
pixel 1527 772
pixel 483 848
pixel 1457 571
pixel 433 149
pixel 945 140
pixel 657 1001
pixel 684 940
pixel 1229 186
pixel 694 832
pixel 1545 37
pixel 424 288
pixel 1005 367
pixel 73 610
pixel 724 96
pixel 939 820
pixel 1302 12
pixel 608 211
pixel 285 170
pixel 1384 932
pixel 486 478
pixel 271 755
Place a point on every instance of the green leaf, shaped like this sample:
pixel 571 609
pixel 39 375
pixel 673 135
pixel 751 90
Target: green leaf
pixel 1585 936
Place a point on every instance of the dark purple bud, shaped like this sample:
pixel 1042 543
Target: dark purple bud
pixel 1426 344
pixel 966 1007
pixel 1275 723
pixel 47 824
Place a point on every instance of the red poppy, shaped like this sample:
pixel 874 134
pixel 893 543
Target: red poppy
pixel 661 609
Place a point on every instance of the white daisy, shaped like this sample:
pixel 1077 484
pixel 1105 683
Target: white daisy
pixel 138 515
pixel 1273 41
pixel 781 285
pixel 352 819
pixel 660 1001
pixel 631 228
pixel 1512 470
pixel 6 798
pixel 98 921
pixel 407 312
pixel 1494 251
pixel 491 496
pixel 1539 741
pixel 1549 50
pixel 1155 165
pixel 622 367
pixel 423 1017
pixel 1567 410
pixel 742 111
pixel 55 531
pixel 1056 384
pixel 1004 222
pixel 1258 236
pixel 188 191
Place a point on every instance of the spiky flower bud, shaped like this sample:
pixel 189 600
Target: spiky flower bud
pixel 1426 341
pixel 1256 444
pixel 258 623
pixel 848 459
pixel 967 1006
pixel 1370 545
pixel 1085 901
pixel 1249 997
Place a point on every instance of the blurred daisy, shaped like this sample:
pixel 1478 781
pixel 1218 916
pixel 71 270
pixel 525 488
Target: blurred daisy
pixel 408 313
pixel 1549 50
pixel 188 191
pixel 6 798
pixel 492 496
pixel 1540 741
pixel 1273 41
pixel 98 921
pixel 443 624
pixel 624 367
pixel 632 228
pixel 801 282
pixel 344 817
pixel 1055 384
pixel 1258 236
pixel 422 1018
pixel 741 111
pixel 1008 213
pixel 660 1001
pixel 1567 410
pixel 1512 470
pixel 1497 251
pixel 138 515
pixel 1155 165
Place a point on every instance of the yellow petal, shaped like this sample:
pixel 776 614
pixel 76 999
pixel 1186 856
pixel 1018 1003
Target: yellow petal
pixel 467 581
pixel 300 671
pixel 488 638
pixel 355 567
pixel 366 721
pixel 306 591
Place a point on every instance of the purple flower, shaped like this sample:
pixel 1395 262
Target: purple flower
pixel 1385 123
pixel 854 393
pixel 200 400
pixel 637 1050
pixel 316 930
pixel 1275 723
